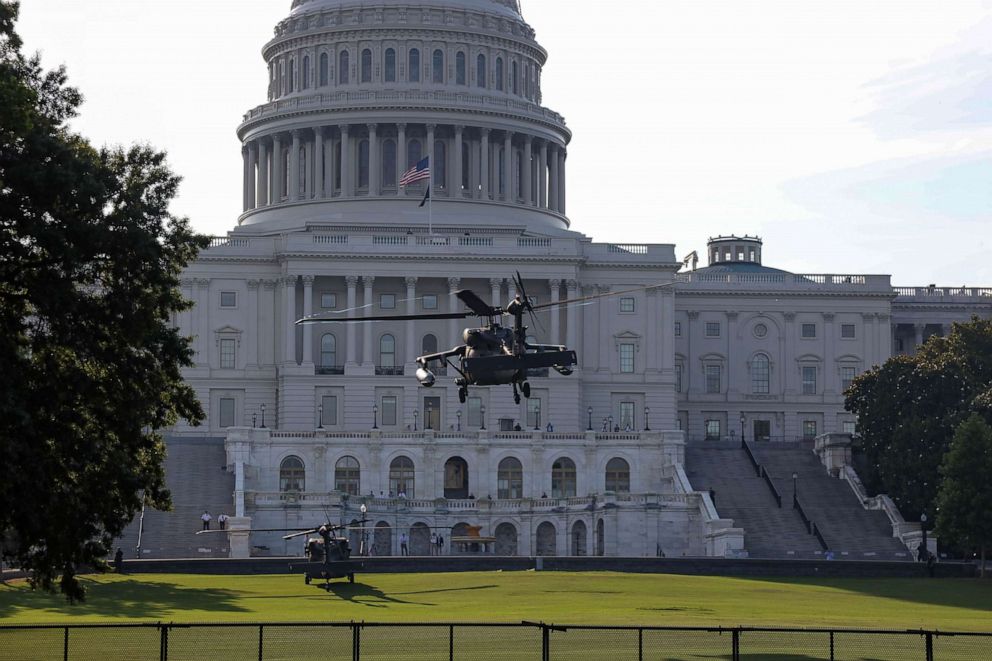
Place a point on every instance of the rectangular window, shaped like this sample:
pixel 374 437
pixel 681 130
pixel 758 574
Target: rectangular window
pixel 627 358
pixel 713 379
pixel 229 299
pixel 678 378
pixel 808 331
pixel 328 301
pixel 759 375
pixel 387 301
pixel 388 410
pixel 474 412
pixel 227 354
pixel 678 329
pixel 506 424
pixel 809 380
pixel 329 410
pixel 809 428
pixel 712 329
pixel 430 301
pixel 849 427
pixel 847 331
pixel 626 416
pixel 226 412
pixel 626 304
pixel 712 430
pixel 533 413
pixel 846 377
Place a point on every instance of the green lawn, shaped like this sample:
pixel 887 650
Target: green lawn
pixel 573 598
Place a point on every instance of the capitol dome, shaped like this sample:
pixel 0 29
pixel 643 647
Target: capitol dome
pixel 360 91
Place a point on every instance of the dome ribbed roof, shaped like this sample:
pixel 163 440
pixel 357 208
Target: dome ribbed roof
pixel 508 8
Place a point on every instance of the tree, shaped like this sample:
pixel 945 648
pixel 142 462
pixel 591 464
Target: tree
pixel 89 272
pixel 964 502
pixel 909 408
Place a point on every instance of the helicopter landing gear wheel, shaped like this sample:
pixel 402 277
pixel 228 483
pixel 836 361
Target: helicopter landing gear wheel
pixel 526 388
pixel 351 578
pixel 462 394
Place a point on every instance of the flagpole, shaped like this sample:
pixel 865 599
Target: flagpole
pixel 430 196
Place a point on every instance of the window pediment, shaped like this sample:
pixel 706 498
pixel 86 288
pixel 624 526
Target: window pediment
pixel 227 333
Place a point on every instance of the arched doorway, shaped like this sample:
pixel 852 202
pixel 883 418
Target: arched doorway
pixel 456 478
pixel 579 538
pixel 420 539
pixel 401 477
pixel 383 539
pixel 506 539
pixel 547 539
pixel 600 538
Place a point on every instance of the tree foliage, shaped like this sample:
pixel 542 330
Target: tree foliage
pixel 909 408
pixel 964 502
pixel 89 266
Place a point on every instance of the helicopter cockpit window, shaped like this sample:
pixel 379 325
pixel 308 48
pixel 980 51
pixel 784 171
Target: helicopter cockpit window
pixel 292 475
pixel 563 480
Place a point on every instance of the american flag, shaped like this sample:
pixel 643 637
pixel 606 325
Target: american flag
pixel 420 171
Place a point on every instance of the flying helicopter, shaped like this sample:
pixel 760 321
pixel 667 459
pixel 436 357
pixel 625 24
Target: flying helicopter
pixel 493 354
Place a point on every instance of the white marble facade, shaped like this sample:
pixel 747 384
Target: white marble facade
pixel 320 418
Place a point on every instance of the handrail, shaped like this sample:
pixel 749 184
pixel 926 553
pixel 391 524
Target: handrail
pixel 819 537
pixel 810 524
pixel 771 485
pixel 754 462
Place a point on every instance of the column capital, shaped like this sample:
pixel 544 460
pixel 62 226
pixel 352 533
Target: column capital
pixel 254 284
pixel 555 283
pixel 203 283
pixel 459 128
pixel 308 280
pixel 693 314
pixel 318 131
pixel 295 133
pixel 368 280
pixel 453 284
pixel 344 128
pixel 187 282
pixel 828 316
pixel 411 281
pixel 288 280
pixel 572 284
pixel 485 131
pixel 604 289
pixel 430 127
pixel 401 126
pixel 372 127
pixel 495 282
pixel 882 316
pixel 351 280
pixel 269 284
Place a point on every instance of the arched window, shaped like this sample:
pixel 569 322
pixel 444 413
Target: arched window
pixel 413 66
pixel 618 475
pixel 510 479
pixel 759 375
pixel 292 76
pixel 515 77
pixel 366 66
pixel 480 70
pixel 347 475
pixel 363 164
pixel 499 74
pixel 305 73
pixel 343 66
pixel 328 350
pixel 390 65
pixel 429 344
pixel 437 66
pixel 414 152
pixel 440 164
pixel 460 68
pixel 387 351
pixel 466 166
pixel 323 70
pixel 563 478
pixel 389 163
pixel 292 475
pixel 401 477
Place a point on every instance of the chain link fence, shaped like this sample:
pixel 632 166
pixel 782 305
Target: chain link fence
pixel 354 641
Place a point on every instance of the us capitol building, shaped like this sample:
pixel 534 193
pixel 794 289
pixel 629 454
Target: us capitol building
pixel 318 420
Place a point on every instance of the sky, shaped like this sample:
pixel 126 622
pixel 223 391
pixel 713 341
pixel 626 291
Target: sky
pixel 853 136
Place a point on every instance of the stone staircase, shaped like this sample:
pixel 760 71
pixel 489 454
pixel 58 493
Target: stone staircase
pixel 769 531
pixel 194 473
pixel 850 531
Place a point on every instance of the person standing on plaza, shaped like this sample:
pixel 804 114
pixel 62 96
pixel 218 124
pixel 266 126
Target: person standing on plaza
pixel 433 543
pixel 404 549
pixel 222 521
pixel 206 518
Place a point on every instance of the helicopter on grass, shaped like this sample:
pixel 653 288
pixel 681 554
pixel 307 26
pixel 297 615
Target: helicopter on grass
pixel 493 354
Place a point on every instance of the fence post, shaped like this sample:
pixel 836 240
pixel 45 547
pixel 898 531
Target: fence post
pixel 356 642
pixel 545 643
pixel 640 645
pixel 65 645
pixel 260 627
pixel 451 642
pixel 929 646
pixel 831 646
pixel 735 640
pixel 163 647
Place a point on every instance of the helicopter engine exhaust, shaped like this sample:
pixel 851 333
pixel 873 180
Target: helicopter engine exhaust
pixel 425 376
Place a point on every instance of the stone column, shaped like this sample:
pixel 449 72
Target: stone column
pixel 375 168
pixel 352 282
pixel 508 167
pixel 495 286
pixel 402 165
pixel 202 321
pixel 367 281
pixel 253 326
pixel 307 311
pixel 346 169
pixel 263 173
pixel 885 336
pixel 555 312
pixel 245 178
pixel 294 168
pixel 278 177
pixel 511 290
pixel 542 176
pixel 917 335
pixel 454 305
pixel 429 150
pixel 318 163
pixel 527 174
pixel 411 308
pixel 289 328
pixel 562 157
pixel 252 169
pixel 553 192
pixel 484 164
pixel 571 315
pixel 456 188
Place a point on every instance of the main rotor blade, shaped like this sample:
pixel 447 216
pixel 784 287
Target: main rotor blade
pixel 523 292
pixel 567 301
pixel 476 304
pixel 398 317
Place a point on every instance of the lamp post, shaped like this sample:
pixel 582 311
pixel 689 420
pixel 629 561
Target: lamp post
pixel 263 416
pixel 589 411
pixel 923 529
pixel 375 416
pixel 537 421
pixel 609 427
pixel 253 416
pixel 482 409
pixel 647 418
pixel 795 493
pixel 320 417
pixel 458 417
pixel 364 549
pixel 429 416
pixel 742 428
pixel 414 419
